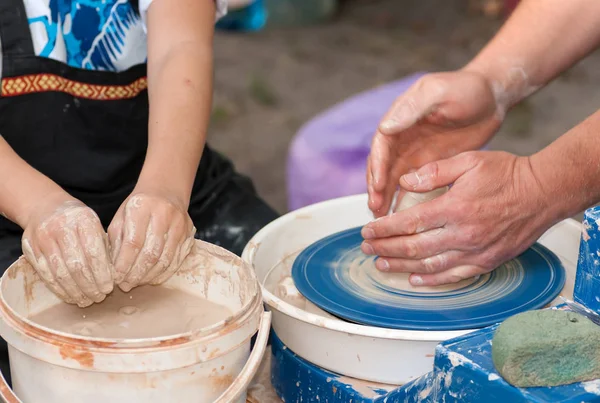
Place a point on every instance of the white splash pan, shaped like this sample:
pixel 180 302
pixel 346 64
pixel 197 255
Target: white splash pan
pixel 369 353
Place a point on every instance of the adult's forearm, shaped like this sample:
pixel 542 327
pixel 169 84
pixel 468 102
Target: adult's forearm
pixel 540 40
pixel 568 170
pixel 22 187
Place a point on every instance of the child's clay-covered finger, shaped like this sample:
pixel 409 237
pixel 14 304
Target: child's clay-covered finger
pixel 61 273
pixel 165 259
pixel 42 267
pixel 148 256
pixel 135 225
pixel 77 265
pixel 183 249
pixel 93 240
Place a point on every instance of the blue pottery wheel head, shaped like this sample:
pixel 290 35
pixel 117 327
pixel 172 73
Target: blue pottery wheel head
pixel 335 275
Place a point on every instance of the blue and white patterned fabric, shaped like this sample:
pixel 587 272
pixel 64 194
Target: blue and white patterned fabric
pixel 251 17
pixel 92 34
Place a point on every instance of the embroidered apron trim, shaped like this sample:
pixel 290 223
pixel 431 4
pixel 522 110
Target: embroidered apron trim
pixel 36 83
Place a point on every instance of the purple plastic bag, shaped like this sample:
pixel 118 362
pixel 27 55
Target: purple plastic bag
pixel 328 156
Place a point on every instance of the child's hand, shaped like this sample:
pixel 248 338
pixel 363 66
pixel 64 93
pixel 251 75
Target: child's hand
pixel 67 246
pixel 151 235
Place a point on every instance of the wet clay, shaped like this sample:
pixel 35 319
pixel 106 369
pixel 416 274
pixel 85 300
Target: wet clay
pixel 144 312
pixel 412 199
pixel 363 272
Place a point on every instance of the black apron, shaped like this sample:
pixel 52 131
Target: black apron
pixel 88 132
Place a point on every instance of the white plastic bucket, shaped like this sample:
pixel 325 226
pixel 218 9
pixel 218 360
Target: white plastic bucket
pixel 369 353
pixel 212 364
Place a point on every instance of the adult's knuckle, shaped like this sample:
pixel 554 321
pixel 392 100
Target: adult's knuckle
pixel 434 264
pixel 434 85
pixel 422 83
pixel 458 210
pixel 409 248
pixel 429 265
pixel 379 248
pixel 471 158
pixel 406 102
pixel 411 223
pixel 470 236
pixel 488 260
pixel 455 278
pixel 382 248
pixel 381 227
pixel 430 171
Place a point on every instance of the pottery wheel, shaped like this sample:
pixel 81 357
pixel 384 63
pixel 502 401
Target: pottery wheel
pixel 335 275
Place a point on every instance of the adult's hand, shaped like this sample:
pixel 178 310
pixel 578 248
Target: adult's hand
pixel 440 116
pixel 65 243
pixel 494 211
pixel 150 235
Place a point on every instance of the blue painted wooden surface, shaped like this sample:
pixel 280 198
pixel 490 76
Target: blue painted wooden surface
pixel 297 380
pixel 587 279
pixel 463 373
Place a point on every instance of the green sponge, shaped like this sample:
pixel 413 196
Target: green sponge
pixel 547 348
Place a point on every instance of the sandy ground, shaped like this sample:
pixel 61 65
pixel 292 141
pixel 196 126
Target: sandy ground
pixel 270 83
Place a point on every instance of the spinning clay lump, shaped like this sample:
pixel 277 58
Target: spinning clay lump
pixel 411 199
pixel 144 312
